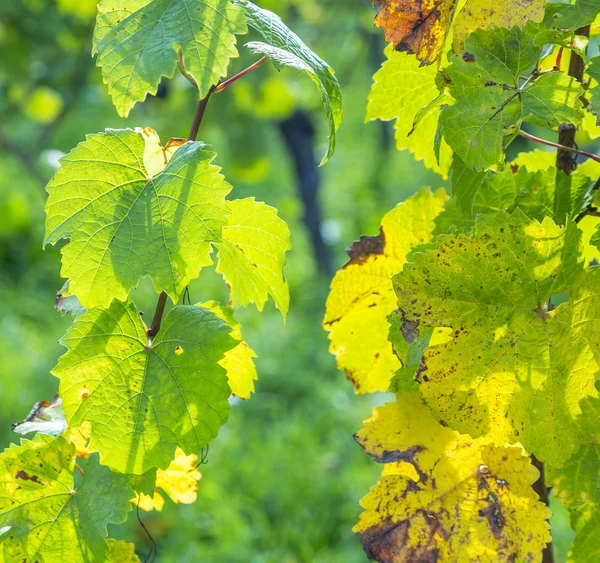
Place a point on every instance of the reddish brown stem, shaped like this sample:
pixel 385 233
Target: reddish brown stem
pixel 235 78
pixel 162 298
pixel 558 146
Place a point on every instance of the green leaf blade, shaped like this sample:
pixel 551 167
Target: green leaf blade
pixel 285 48
pixel 144 398
pixel 124 223
pixel 136 46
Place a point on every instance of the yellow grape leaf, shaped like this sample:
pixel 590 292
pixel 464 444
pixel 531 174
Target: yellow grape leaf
pixel 241 371
pixel 419 27
pixel 483 14
pixel 179 481
pixel 80 436
pixel 120 551
pixel 463 500
pixel 401 88
pixel 362 293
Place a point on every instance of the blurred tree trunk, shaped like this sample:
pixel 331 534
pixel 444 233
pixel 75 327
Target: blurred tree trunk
pixel 299 134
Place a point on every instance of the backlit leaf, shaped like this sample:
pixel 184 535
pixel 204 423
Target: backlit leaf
pixel 362 294
pixel 51 517
pixel 514 370
pixel 285 48
pixel 144 398
pixel 444 496
pixel 129 214
pixel 400 89
pixel 252 255
pixel 120 551
pixel 136 43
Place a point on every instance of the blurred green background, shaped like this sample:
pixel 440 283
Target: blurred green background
pixel 284 477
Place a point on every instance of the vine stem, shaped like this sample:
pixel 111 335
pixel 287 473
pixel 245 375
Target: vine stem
pixel 162 298
pixel 558 146
pixel 235 78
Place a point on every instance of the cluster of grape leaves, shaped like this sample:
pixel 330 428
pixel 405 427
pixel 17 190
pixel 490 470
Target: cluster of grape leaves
pixel 480 310
pixel 135 407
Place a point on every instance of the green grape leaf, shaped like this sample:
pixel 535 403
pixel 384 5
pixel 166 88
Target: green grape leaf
pixel 285 48
pixel 571 15
pixel 120 551
pixel 238 361
pixel 586 547
pixel 145 397
pixel 137 44
pixel 401 89
pixel 444 496
pixel 595 240
pixel 514 370
pixel 577 483
pixel 252 255
pixel 129 214
pixel 362 293
pixel 46 417
pixel 483 14
pixel 420 27
pixel 593 70
pixel 516 186
pixel 491 103
pixel 52 518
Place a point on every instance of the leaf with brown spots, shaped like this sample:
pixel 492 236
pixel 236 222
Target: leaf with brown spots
pixel 362 293
pixel 419 27
pixel 444 496
pixel 515 369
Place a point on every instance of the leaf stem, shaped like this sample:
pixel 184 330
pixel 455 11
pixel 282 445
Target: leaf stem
pixel 79 469
pixel 162 298
pixel 558 146
pixel 235 78
pixel 542 490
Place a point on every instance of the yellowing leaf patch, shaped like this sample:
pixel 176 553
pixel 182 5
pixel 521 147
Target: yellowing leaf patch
pixel 362 294
pixel 444 496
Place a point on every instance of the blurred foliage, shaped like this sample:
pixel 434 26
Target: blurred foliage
pixel 284 478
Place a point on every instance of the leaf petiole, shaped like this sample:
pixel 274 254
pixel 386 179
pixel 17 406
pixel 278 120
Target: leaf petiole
pixel 244 72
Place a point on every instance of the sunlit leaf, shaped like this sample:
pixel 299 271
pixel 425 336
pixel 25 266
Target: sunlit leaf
pixel 444 496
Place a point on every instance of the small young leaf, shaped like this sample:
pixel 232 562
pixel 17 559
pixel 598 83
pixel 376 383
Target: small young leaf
pixel 401 89
pixel 285 48
pixel 418 27
pixel 362 294
pixel 241 372
pixel 252 255
pixel 444 496
pixel 514 370
pixel 51 518
pixel 144 398
pixel 120 551
pixel 129 214
pixel 137 44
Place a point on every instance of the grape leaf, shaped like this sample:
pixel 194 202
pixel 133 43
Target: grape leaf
pixel 586 548
pixel 126 219
pixel 252 255
pixel 144 398
pixel 483 14
pixel 514 370
pixel 400 89
pixel 67 303
pixel 578 482
pixel 46 417
pixel 444 496
pixel 362 293
pixel 241 372
pixel 593 70
pixel 285 48
pixel 120 551
pixel 419 27
pixel 490 101
pixel 179 481
pixel 136 44
pixel 52 518
pixel 571 16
